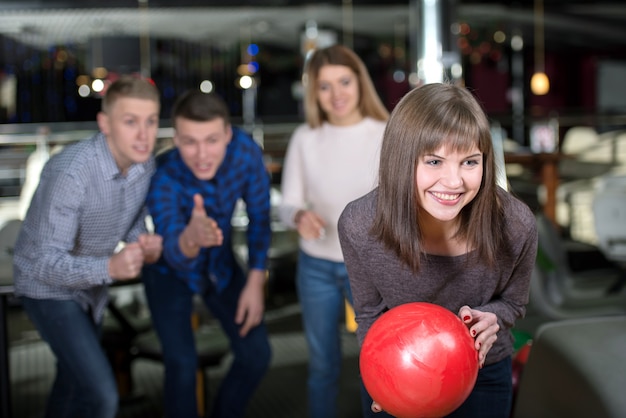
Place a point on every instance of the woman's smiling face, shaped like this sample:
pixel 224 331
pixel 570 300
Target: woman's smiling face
pixel 448 180
pixel 338 94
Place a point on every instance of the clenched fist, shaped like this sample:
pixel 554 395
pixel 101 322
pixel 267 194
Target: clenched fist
pixel 152 246
pixel 126 264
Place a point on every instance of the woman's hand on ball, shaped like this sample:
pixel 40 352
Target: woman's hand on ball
pixel 483 326
pixel 376 408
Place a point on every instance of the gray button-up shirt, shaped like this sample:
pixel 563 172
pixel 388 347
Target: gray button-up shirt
pixel 81 210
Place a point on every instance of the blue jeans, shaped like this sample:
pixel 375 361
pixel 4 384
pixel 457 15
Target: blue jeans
pixel 322 287
pixel 170 301
pixel 84 385
pixel 491 398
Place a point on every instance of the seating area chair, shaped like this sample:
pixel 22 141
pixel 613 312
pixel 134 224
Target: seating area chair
pixel 121 325
pixel 212 346
pixel 8 235
pixel 609 214
pixel 576 173
pixel 575 369
pixel 128 336
pixel 609 208
pixel 559 293
pixel 579 139
pixel 9 231
pixel 592 156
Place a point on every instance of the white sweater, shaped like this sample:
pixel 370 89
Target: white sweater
pixel 325 169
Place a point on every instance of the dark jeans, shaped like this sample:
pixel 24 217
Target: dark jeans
pixel 84 385
pixel 171 305
pixel 491 398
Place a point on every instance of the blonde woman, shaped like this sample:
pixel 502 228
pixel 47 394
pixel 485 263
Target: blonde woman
pixel 331 160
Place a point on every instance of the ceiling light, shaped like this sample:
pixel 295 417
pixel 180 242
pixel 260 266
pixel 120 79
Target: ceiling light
pixel 539 83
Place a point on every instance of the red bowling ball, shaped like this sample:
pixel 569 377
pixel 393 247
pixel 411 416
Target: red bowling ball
pixel 419 361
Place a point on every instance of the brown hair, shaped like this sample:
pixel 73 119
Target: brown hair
pixel 369 102
pixel 200 107
pixel 427 118
pixel 129 86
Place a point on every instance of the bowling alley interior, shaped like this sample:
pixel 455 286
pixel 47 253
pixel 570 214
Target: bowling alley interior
pixel 550 75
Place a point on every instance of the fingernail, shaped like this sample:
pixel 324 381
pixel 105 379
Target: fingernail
pixel 473 333
pixel 467 318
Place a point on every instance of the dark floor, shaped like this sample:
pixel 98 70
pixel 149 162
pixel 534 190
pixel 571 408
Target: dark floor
pixel 281 394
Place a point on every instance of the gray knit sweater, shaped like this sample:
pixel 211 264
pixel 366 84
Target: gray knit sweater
pixel 380 281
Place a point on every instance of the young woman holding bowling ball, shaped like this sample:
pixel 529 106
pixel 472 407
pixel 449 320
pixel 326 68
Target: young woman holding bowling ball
pixel 438 229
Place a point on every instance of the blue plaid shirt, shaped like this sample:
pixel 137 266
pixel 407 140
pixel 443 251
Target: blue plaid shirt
pixel 243 175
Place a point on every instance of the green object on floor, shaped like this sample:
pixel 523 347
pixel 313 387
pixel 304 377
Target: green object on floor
pixel 544 262
pixel 520 338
